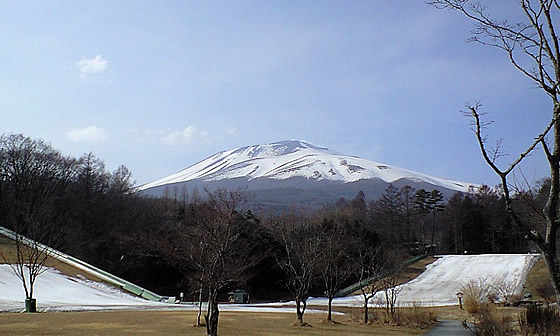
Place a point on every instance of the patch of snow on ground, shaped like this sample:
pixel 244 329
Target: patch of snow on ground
pixel 55 291
pixel 439 284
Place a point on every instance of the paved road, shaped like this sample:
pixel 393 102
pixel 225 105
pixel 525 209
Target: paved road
pixel 450 328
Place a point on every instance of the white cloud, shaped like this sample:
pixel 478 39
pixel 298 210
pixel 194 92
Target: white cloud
pixel 232 131
pixel 91 133
pixel 92 66
pixel 187 136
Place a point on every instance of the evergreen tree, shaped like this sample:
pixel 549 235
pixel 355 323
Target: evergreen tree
pixel 389 212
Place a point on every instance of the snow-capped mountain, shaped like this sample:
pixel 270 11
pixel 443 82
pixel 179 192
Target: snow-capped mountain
pixel 297 165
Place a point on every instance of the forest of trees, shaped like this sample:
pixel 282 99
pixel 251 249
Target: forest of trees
pixel 204 243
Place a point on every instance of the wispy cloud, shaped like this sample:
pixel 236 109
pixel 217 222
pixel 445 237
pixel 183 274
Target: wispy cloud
pixel 189 135
pixel 92 66
pixel 91 133
pixel 232 131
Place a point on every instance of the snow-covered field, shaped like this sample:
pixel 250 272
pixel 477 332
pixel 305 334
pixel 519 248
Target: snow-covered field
pixel 437 286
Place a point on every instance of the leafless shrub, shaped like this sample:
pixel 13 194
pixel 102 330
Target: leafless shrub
pixel 377 316
pixel 415 316
pixel 356 314
pixel 505 291
pixel 490 322
pixel 479 291
pixel 476 292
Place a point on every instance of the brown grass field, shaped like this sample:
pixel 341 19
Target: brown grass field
pixel 181 323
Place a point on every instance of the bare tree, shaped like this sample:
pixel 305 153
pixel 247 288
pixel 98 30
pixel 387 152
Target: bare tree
pixel 223 256
pixel 533 48
pixel 390 282
pixel 301 244
pixel 369 270
pixel 215 246
pixel 30 259
pixel 184 251
pixel 335 263
pixel 33 180
pixel 121 181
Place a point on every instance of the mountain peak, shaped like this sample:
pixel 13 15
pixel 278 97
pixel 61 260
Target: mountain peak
pixel 275 149
pixel 284 160
pixel 297 144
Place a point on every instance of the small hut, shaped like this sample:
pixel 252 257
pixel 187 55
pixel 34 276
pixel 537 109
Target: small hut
pixel 238 296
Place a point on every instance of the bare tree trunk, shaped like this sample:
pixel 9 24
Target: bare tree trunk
pixel 212 314
pixel 329 315
pixel 300 309
pixel 551 261
pixel 199 305
pixel 548 247
pixel 387 300
pixel 366 311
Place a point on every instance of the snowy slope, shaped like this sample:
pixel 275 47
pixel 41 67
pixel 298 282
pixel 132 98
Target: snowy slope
pixel 55 291
pixel 439 284
pixel 288 159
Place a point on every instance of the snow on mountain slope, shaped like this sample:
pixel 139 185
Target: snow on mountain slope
pixel 287 159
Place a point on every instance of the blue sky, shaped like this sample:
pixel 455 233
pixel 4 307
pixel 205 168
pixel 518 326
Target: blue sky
pixel 160 85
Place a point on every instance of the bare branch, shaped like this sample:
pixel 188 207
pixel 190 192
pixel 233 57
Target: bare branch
pixel 495 152
pixel 491 155
pixel 547 152
pixel 536 39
